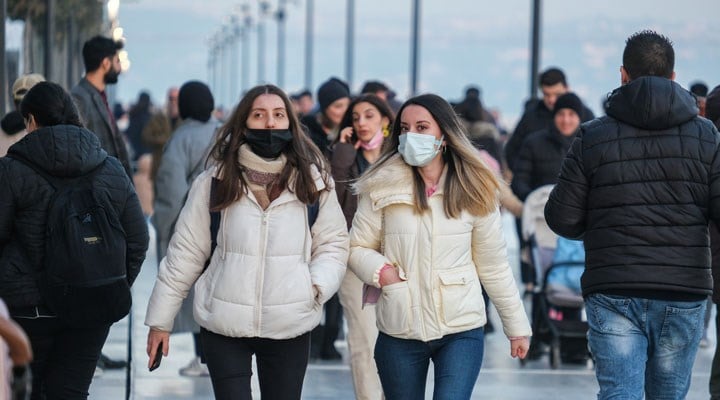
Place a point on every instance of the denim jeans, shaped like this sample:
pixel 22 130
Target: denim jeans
pixel 643 345
pixel 403 365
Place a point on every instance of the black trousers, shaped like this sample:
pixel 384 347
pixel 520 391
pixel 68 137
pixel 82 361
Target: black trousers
pixel 281 365
pixel 64 357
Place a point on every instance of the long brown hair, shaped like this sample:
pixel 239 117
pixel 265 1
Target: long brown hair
pixel 302 155
pixel 470 185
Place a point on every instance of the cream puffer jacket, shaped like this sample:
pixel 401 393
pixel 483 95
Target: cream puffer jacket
pixel 440 260
pixel 260 279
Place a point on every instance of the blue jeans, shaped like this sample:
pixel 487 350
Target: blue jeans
pixel 403 365
pixel 643 345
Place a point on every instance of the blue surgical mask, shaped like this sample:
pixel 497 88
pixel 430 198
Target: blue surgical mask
pixel 418 149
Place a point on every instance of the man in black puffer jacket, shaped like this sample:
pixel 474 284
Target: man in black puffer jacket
pixel 639 187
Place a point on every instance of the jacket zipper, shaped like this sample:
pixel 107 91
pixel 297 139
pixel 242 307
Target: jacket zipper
pixel 261 275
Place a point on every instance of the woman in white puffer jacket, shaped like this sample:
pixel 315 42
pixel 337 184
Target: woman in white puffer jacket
pixel 282 248
pixel 428 232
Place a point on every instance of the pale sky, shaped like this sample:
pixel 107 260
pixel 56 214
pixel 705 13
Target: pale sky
pixel 485 43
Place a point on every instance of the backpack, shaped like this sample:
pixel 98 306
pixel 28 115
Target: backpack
pixel 84 278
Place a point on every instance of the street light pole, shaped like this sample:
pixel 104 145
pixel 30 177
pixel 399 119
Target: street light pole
pixel 280 14
pixel 245 75
pixel 308 44
pixel 49 32
pixel 264 7
pixel 349 41
pixel 233 40
pixel 535 58
pixel 414 54
pixel 3 63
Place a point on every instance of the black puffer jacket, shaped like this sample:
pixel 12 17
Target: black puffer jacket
pixel 640 186
pixel 539 161
pixel 63 151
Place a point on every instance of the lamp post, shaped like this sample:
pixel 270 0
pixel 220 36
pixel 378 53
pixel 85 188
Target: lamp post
pixel 49 33
pixel 247 25
pixel 264 7
pixel 415 47
pixel 349 41
pixel 3 70
pixel 308 43
pixel 535 58
pixel 280 16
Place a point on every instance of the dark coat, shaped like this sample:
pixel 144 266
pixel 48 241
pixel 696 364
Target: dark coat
pixel 317 134
pixel 537 117
pixel 539 161
pixel 345 168
pixel 61 151
pixel 639 187
pixel 97 119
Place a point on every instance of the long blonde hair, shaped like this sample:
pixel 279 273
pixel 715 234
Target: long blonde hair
pixel 470 185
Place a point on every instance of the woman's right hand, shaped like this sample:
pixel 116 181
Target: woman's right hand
pixel 389 275
pixel 346 134
pixel 155 337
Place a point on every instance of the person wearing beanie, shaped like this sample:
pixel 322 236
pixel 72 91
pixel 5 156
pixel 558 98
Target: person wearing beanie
pixel 712 106
pixel 183 160
pixel 333 98
pixel 542 152
pixel 700 90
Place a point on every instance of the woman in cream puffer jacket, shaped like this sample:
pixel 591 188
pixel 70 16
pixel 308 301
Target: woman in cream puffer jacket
pixel 427 233
pixel 282 248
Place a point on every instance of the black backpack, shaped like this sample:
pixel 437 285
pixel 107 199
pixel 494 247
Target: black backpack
pixel 84 277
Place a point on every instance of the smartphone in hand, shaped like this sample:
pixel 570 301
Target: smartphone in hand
pixel 158 358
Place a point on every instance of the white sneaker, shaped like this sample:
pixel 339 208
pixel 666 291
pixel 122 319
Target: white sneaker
pixel 195 369
pixel 98 372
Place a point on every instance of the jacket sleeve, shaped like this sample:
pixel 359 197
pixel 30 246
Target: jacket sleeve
pixel 493 269
pixel 186 255
pixel 7 205
pixel 171 188
pixel 566 209
pixel 522 171
pixel 328 262
pixel 136 234
pixel 342 160
pixel 365 257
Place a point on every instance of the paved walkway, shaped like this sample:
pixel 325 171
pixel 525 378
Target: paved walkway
pixel 501 377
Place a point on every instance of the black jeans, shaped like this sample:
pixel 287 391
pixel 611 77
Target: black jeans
pixel 281 365
pixel 64 357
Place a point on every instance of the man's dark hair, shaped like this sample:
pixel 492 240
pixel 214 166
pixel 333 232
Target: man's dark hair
pixel 304 93
pixel 648 53
pixel 374 87
pixel 552 76
pixel 95 50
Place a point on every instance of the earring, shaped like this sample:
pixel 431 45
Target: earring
pixel 385 131
pixel 444 149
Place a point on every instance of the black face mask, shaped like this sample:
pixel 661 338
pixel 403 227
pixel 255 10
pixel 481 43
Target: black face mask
pixel 268 143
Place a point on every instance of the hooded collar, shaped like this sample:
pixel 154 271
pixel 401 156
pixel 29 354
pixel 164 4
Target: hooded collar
pixel 393 183
pixel 652 103
pixel 61 150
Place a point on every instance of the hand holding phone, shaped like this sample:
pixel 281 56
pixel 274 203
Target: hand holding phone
pixel 158 357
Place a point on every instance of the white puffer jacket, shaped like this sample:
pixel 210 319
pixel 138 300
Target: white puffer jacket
pixel 260 279
pixel 440 258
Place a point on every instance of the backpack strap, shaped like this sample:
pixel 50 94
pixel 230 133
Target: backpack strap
pixel 214 222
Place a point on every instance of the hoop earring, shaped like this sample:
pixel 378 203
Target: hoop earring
pixel 444 149
pixel 385 131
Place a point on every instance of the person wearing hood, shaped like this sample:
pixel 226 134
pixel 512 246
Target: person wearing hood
pixel 323 127
pixel 182 161
pixel 542 153
pixel 639 186
pixel 56 145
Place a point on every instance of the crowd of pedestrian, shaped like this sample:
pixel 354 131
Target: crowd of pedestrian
pixel 283 219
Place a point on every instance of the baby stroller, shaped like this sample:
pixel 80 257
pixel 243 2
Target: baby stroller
pixel 557 304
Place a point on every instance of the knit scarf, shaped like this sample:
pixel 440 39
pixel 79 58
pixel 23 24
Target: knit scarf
pixel 262 175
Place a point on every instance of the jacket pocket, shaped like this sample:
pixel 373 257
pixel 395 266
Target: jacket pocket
pixel 393 309
pixel 461 297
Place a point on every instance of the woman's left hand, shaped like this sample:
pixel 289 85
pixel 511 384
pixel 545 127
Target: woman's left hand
pixel 519 347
